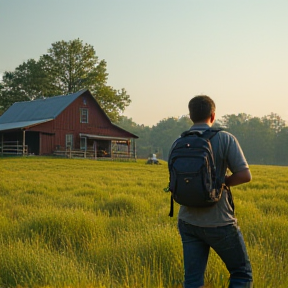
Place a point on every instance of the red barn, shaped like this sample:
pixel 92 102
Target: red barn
pixel 71 124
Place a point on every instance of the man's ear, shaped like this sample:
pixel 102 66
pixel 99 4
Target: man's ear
pixel 212 117
pixel 190 117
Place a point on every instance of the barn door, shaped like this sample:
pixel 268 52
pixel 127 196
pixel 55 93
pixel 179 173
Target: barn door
pixel 83 143
pixel 69 141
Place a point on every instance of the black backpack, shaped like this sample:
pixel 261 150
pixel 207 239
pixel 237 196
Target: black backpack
pixel 192 170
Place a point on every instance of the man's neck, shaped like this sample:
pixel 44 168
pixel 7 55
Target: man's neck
pixel 203 123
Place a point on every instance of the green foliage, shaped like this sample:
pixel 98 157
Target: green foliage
pixel 167 131
pixel 262 140
pixel 159 138
pixel 281 144
pixel 28 82
pixel 67 67
pixel 144 146
pixel 274 121
pixel 252 134
pixel 71 64
pixel 83 223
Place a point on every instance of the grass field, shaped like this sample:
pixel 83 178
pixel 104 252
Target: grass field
pixel 84 223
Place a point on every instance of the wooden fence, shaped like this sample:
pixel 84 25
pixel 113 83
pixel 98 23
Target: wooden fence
pixel 16 148
pixel 13 148
pixel 91 154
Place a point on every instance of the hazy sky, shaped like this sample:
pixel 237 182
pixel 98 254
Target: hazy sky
pixel 163 52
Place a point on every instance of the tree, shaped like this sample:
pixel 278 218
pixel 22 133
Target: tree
pixel 28 82
pixel 237 125
pixel 166 132
pixel 274 121
pixel 144 146
pixel 258 142
pixel 112 101
pixel 74 65
pixel 157 139
pixel 1 107
pixel 255 137
pixel 281 144
pixel 67 67
pixel 231 121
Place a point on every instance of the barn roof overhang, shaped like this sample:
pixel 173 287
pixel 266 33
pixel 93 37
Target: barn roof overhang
pixel 102 137
pixel 21 125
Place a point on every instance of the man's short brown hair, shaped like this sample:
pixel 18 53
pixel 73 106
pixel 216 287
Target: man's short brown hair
pixel 201 108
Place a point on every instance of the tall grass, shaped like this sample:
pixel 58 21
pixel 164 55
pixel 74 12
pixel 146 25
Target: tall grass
pixel 84 223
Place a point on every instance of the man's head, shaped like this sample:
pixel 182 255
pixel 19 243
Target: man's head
pixel 202 109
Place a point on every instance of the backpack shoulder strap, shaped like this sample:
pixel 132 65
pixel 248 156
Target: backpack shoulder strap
pixel 207 133
pixel 192 132
pixel 210 133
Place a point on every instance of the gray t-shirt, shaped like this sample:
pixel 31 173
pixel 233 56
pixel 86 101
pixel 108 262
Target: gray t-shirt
pixel 227 154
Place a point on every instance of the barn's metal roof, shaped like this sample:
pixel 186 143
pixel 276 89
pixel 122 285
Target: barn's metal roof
pixel 102 137
pixel 38 110
pixel 19 125
pixel 30 113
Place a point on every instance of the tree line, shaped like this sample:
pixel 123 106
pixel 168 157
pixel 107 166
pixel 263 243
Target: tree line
pixel 263 140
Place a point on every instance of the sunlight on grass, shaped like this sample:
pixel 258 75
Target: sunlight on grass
pixel 83 223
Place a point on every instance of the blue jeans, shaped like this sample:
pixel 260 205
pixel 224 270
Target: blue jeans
pixel 228 243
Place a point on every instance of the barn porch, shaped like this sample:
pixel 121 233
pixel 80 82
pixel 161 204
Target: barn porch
pixel 15 143
pixel 99 147
pixel 21 142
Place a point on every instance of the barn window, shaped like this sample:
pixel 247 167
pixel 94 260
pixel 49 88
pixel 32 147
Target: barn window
pixel 83 115
pixel 69 141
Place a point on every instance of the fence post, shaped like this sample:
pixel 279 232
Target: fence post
pixel 23 147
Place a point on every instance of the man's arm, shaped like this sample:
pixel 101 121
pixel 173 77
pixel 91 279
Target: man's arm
pixel 237 178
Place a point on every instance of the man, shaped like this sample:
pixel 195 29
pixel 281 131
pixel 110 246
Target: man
pixel 215 226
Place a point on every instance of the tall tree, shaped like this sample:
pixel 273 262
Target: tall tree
pixel 74 65
pixel 66 68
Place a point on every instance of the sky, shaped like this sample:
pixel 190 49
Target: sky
pixel 164 52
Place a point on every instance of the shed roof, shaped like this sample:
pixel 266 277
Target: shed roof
pixel 19 125
pixel 102 137
pixel 38 110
